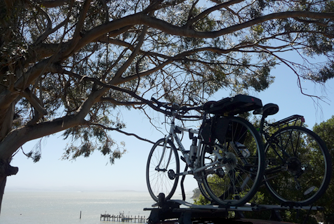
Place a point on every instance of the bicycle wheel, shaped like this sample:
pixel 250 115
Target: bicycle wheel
pixel 203 191
pixel 161 167
pixel 298 165
pixel 234 166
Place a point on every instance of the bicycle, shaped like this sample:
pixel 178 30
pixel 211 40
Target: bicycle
pixel 298 164
pixel 226 156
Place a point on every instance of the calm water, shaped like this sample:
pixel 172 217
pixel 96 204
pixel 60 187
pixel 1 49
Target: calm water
pixel 64 207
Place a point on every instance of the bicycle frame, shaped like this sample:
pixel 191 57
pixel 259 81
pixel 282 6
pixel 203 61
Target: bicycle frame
pixel 193 164
pixel 218 153
pixel 291 119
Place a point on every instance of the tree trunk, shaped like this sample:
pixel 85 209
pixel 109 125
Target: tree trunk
pixel 2 189
pixel 5 170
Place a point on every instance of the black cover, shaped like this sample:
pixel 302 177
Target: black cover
pixel 214 128
pixel 233 105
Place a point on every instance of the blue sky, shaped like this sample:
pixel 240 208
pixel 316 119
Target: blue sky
pixel 128 173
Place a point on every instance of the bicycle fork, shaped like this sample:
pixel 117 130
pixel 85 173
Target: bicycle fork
pixel 157 168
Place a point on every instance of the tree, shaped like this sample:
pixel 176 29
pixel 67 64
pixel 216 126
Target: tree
pixel 68 65
pixel 325 130
pixel 196 193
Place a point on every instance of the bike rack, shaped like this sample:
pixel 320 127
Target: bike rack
pixel 170 211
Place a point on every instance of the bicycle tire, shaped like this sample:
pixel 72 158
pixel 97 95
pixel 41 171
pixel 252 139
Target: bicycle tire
pixel 203 191
pixel 234 183
pixel 307 166
pixel 163 180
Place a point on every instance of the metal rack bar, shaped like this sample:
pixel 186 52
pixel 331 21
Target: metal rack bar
pixel 191 213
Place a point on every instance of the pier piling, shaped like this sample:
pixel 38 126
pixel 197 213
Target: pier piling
pixel 122 218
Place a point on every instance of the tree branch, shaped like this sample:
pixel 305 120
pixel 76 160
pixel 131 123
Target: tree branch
pixel 116 102
pixel 133 55
pixel 18 137
pixel 49 25
pixel 210 10
pixel 118 130
pixel 28 78
pixel 40 111
pixel 149 21
pixel 50 31
pixel 52 3
pixel 296 73
pixel 80 23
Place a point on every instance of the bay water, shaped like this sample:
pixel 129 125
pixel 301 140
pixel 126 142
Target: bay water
pixel 65 207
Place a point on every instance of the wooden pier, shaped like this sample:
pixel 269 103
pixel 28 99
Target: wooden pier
pixel 122 218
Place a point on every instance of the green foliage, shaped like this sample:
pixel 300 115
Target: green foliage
pixel 325 130
pixel 201 200
pixel 35 156
pixel 196 193
pixel 88 139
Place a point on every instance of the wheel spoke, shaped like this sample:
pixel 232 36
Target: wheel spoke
pixel 162 162
pixel 305 167
pixel 237 175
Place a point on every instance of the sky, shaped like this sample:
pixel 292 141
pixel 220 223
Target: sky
pixel 128 173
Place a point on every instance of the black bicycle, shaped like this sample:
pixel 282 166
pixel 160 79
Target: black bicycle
pixel 298 164
pixel 226 156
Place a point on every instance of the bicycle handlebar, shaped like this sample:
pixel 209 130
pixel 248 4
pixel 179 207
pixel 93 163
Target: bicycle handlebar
pixel 175 107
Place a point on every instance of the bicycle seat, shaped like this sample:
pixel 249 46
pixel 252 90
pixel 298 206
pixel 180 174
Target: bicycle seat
pixel 268 109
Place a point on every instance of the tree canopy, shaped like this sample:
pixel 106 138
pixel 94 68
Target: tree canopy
pixel 67 65
pixel 325 130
